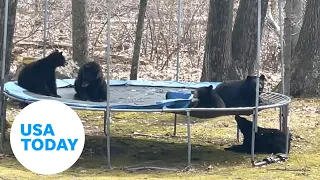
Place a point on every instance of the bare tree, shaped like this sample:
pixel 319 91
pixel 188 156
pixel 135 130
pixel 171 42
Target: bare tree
pixel 218 41
pixel 306 67
pixel 12 6
pixel 11 24
pixel 296 19
pixel 287 46
pixel 244 38
pixel 79 32
pixel 137 43
pixel 218 65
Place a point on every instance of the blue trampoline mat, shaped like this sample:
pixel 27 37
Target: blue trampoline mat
pixel 124 94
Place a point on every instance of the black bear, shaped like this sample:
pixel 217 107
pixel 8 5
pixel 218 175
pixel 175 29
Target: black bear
pixel 240 93
pixel 267 140
pixel 39 76
pixel 90 84
pixel 206 97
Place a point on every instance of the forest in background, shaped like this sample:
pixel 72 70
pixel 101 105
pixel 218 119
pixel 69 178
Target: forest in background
pixel 157 59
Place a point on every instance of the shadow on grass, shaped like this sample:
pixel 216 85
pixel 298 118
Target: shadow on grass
pixel 127 152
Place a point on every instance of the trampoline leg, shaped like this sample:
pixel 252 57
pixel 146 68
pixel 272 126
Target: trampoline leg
pixel 107 133
pixel 286 126
pixel 189 138
pixel 105 123
pixel 254 125
pixel 175 125
pixel 238 134
pixel 285 112
pixel 280 118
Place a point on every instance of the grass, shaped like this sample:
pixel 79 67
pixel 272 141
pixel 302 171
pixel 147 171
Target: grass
pixel 159 148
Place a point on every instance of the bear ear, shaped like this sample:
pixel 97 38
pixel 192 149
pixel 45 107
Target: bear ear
pixel 262 77
pixel 99 75
pixel 61 52
pixel 210 87
pixel 86 65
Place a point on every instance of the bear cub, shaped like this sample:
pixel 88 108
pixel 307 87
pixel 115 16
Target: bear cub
pixel 39 76
pixel 267 140
pixel 240 93
pixel 206 97
pixel 90 85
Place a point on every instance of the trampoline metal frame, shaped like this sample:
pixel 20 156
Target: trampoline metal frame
pixel 284 107
pixel 106 126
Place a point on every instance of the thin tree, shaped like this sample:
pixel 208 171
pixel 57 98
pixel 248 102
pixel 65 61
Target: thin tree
pixel 288 44
pixel 218 41
pixel 79 32
pixel 137 43
pixel 305 66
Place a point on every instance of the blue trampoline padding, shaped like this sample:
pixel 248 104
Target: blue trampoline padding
pixel 172 84
pixel 177 99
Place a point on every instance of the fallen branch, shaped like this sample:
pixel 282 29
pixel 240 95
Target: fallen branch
pixel 271 24
pixel 140 164
pixel 152 168
pixel 188 168
pixel 31 34
pixel 287 169
pixel 146 135
pixel 38 27
pixel 41 44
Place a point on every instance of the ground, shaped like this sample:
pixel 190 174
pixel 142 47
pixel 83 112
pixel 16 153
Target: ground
pixel 209 137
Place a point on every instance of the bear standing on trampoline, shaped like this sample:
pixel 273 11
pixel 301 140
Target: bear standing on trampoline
pixel 39 76
pixel 240 93
pixel 267 140
pixel 90 83
pixel 206 97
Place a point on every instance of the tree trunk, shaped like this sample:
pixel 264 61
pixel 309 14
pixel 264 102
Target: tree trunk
pixel 218 41
pixel 11 23
pixel 137 43
pixel 244 38
pixel 79 32
pixel 287 46
pixel 12 7
pixel 296 19
pixel 306 65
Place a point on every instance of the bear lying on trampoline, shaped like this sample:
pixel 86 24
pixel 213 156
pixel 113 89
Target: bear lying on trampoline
pixel 206 97
pixel 240 93
pixel 39 76
pixel 90 85
pixel 267 140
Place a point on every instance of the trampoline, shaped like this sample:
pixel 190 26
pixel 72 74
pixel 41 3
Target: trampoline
pixel 149 96
pixel 123 94
pixel 133 95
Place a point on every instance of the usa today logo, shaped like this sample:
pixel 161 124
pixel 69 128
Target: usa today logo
pixel 47 137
